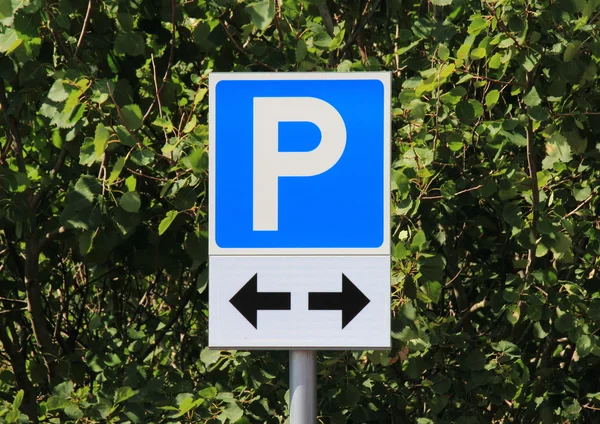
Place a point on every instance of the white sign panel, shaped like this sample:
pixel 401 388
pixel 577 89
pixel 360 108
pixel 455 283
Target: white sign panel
pixel 324 302
pixel 299 210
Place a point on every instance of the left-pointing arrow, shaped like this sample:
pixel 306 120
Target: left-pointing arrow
pixel 248 301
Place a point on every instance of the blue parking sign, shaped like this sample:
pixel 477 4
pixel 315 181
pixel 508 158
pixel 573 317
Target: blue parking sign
pixel 299 163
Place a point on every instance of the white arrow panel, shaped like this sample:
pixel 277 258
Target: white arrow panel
pixel 299 328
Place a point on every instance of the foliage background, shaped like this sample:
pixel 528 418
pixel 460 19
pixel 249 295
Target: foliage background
pixel 496 301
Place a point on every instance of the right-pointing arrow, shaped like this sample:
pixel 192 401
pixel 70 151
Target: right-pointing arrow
pixel 350 301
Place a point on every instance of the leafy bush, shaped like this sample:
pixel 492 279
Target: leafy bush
pixel 496 301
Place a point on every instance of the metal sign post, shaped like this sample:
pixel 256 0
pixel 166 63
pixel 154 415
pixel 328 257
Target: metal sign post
pixel 299 217
pixel 303 386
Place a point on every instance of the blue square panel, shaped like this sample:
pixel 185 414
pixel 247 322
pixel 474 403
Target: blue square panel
pixel 299 162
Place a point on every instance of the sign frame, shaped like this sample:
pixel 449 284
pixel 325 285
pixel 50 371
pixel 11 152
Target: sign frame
pixel 384 78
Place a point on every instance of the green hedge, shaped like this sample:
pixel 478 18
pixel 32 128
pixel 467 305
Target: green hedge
pixel 103 210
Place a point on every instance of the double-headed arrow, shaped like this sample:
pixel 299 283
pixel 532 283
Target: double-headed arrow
pixel 248 301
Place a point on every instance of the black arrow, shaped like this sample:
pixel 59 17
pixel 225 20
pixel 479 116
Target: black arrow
pixel 350 301
pixel 248 300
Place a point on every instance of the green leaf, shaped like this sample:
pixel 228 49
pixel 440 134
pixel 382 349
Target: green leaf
pixel 337 40
pixel 439 403
pixel 538 113
pixel 561 244
pixel 186 404
pixel 125 21
pixel 477 25
pixel 116 171
pixel 431 267
pixel 189 127
pixel 197 161
pixel 469 111
pixel 320 38
pixel 87 153
pixel 540 250
pixel 18 399
pixel 581 194
pixel 232 412
pixel 131 43
pixel 557 150
pixel 431 292
pixel 418 240
pixel 584 345
pixel 69 117
pixel 507 348
pixel 448 189
pixel 130 202
pixel 166 222
pixel 131 183
pixel 73 412
pixel 453 96
pixel 9 41
pixel 164 123
pixel 57 92
pixel 476 360
pixel 64 389
pixel 126 138
pixel 538 331
pixel 124 393
pixel 492 98
pixel 400 251
pixel 402 182
pixel 200 96
pixel 208 392
pixel 301 50
pixel 261 13
pixel 202 38
pixel 57 403
pixel 513 312
pixel 478 53
pixel 571 51
pixel 507 42
pixel 100 139
pixel 564 323
pixel 132 115
pixel 441 3
pixel 443 51
pixel 209 356
pixel 532 98
pixel 6 12
pixel 495 61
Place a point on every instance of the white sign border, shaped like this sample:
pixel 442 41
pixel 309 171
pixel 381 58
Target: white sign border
pixel 216 77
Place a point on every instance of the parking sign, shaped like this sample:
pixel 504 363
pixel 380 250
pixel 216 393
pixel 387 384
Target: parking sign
pixel 299 210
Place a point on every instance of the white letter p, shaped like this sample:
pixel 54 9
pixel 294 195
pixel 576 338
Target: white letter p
pixel 270 163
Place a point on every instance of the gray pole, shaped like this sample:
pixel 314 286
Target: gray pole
pixel 303 386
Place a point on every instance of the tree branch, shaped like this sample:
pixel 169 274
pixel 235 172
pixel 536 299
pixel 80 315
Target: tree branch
pixel 467 314
pixel 85 22
pixel 170 63
pixel 13 127
pixel 582 204
pixel 49 236
pixel 17 361
pixel 360 27
pixel 535 191
pixel 34 305
pixel 187 297
pixel 241 49
pixel 37 197
pixel 326 16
